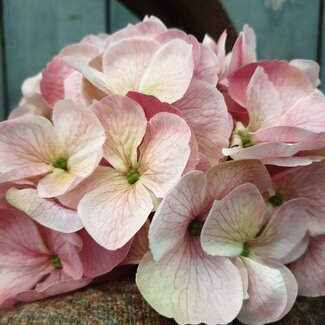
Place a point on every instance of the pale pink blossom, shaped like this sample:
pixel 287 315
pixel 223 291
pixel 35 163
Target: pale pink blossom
pixel 177 277
pixel 36 262
pixel 146 159
pixel 234 229
pixel 286 115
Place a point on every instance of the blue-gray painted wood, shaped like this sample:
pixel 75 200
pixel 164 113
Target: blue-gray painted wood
pixel 35 30
pixel 2 101
pixel 285 29
pixel 120 16
pixel 322 54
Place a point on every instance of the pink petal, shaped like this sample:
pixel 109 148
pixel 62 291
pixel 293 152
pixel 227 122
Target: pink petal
pixel 52 83
pixel 310 68
pixel 243 51
pixel 26 141
pixel 185 202
pixel 140 245
pixel 114 212
pixel 305 182
pixel 85 51
pixel 125 124
pixel 307 113
pixel 277 238
pixel 164 152
pixel 262 102
pixel 233 221
pixel 31 86
pixel 169 72
pixel 298 251
pixel 105 260
pixel 125 63
pixel 269 293
pixel 191 286
pixel 309 269
pixel 206 113
pixel 47 212
pixel 290 82
pixel 73 87
pixel 224 177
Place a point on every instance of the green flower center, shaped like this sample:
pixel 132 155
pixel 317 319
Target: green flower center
pixel 276 200
pixel 195 227
pixel 61 163
pixel 246 140
pixel 133 176
pixel 246 251
pixel 241 137
pixel 55 261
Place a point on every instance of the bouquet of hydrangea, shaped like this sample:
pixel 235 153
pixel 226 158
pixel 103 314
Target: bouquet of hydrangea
pixel 148 147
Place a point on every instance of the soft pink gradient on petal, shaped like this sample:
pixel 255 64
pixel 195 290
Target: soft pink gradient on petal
pixel 190 286
pixel 125 124
pixel 47 212
pixel 233 221
pixel 206 113
pixel 169 72
pixel 114 211
pixel 164 152
pixel 310 68
pixel 309 269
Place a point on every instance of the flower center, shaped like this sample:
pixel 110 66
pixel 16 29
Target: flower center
pixel 276 200
pixel 241 137
pixel 55 261
pixel 246 251
pixel 195 227
pixel 61 163
pixel 133 176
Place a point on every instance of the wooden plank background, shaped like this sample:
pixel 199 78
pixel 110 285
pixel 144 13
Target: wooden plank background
pixel 33 31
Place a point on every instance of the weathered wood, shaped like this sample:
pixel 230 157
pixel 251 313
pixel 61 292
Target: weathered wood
pixel 285 29
pixel 35 30
pixel 196 17
pixel 120 16
pixel 321 45
pixel 2 89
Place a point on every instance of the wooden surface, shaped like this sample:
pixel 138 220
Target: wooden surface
pixel 35 30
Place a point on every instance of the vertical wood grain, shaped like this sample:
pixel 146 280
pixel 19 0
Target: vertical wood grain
pixel 285 29
pixel 321 44
pixel 3 108
pixel 120 16
pixel 35 30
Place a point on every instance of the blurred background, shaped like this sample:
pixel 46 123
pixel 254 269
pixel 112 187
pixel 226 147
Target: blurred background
pixel 33 31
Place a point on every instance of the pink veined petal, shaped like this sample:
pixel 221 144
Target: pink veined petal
pixel 169 72
pixel 164 152
pixel 190 286
pixel 244 275
pixel 66 248
pixel 125 62
pixel 114 211
pixel 233 221
pixel 185 202
pixel 306 182
pixel 85 51
pixel 26 141
pixel 47 212
pixel 73 88
pixel 309 269
pixel 307 113
pixel 224 177
pixel 20 240
pixel 293 161
pixel 262 102
pixel 125 124
pixel 278 238
pixel 290 82
pixel 31 86
pixel 206 113
pixel 207 67
pixel 310 68
pixel 139 247
pixel 52 82
pixel 105 259
pixel 297 252
pixel 244 50
pixel 267 293
pixel 204 164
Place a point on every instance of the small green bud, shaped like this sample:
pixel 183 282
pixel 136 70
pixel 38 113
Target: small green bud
pixel 133 176
pixel 195 227
pixel 55 261
pixel 246 251
pixel 276 200
pixel 61 163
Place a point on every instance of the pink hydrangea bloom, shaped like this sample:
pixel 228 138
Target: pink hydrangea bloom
pixel 233 229
pixel 286 115
pixel 177 277
pixel 36 262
